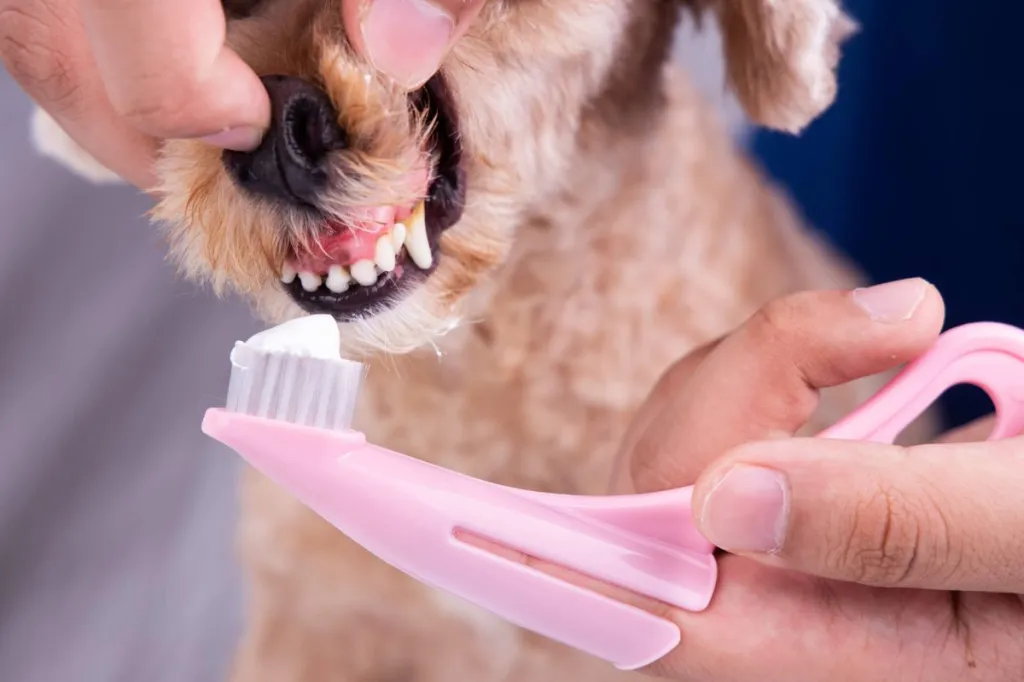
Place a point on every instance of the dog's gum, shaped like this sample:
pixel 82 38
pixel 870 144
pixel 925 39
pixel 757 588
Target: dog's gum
pixel 345 247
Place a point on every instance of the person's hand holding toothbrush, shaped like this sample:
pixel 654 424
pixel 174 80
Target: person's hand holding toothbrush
pixel 847 561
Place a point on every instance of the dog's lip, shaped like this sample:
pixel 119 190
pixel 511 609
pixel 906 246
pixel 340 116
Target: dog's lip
pixel 443 209
pixel 357 302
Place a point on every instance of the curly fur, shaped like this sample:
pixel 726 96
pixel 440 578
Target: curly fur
pixel 610 228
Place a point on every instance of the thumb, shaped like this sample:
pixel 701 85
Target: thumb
pixel 946 516
pixel 407 39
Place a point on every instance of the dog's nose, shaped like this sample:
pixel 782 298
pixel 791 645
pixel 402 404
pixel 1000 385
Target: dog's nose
pixel 290 163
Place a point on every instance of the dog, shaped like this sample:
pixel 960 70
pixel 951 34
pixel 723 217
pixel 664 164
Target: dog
pixel 518 250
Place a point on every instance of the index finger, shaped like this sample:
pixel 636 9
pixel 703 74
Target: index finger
pixel 763 380
pixel 167 70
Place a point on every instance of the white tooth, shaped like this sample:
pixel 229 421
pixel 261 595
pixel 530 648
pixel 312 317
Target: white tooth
pixel 288 273
pixel 364 272
pixel 338 279
pixel 398 236
pixel 416 241
pixel 310 281
pixel 384 254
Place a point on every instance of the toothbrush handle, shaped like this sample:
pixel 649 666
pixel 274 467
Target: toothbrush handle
pixel 985 354
pixel 407 512
pixel 415 516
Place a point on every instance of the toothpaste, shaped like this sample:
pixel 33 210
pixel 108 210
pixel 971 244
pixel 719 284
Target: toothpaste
pixel 315 336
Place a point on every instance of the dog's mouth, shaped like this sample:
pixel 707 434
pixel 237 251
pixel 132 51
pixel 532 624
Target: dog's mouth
pixel 357 270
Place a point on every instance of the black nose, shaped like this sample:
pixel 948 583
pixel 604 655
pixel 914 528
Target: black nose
pixel 290 163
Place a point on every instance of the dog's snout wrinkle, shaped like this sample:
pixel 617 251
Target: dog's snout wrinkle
pixel 290 163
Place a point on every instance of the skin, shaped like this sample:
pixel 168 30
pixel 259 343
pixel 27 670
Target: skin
pixel 895 564
pixel 888 563
pixel 121 75
pixel 891 563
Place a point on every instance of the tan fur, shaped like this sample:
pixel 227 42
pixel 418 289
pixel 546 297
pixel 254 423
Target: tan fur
pixel 610 228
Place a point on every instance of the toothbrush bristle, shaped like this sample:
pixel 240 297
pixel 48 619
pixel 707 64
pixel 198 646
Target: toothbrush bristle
pixel 302 390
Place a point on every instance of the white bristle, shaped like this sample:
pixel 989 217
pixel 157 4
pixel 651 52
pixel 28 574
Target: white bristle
pixel 308 391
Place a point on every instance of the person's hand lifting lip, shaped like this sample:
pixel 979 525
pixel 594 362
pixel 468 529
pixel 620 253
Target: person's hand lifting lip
pixel 120 75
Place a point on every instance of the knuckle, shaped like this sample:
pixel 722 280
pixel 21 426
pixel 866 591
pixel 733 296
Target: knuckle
pixel 879 545
pixel 943 553
pixel 891 540
pixel 778 337
pixel 31 49
pixel 774 320
pixel 790 319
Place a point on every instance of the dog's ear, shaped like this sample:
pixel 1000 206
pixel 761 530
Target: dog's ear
pixel 781 55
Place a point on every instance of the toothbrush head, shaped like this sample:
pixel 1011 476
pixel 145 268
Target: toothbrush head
pixel 295 373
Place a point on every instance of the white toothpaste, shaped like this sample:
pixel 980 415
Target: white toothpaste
pixel 315 336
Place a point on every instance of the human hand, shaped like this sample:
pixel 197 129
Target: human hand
pixel 407 39
pixel 118 76
pixel 852 562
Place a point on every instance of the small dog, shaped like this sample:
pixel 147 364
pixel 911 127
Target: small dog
pixel 524 245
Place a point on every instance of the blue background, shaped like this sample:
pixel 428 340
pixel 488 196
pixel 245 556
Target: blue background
pixel 914 170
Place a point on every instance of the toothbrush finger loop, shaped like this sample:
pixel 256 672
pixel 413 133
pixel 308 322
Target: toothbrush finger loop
pixel 988 355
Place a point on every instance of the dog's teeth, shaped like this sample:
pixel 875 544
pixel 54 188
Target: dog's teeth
pixel 384 254
pixel 398 236
pixel 338 279
pixel 416 242
pixel 364 272
pixel 288 273
pixel 310 281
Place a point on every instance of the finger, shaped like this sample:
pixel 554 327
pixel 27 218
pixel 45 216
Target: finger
pixel 947 517
pixel 168 72
pixel 782 626
pixel 407 39
pixel 670 384
pixel 763 380
pixel 43 47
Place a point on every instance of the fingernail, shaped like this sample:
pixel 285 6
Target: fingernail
pixel 893 301
pixel 407 39
pixel 747 510
pixel 242 139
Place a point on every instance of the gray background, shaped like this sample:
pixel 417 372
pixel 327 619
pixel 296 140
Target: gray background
pixel 116 557
pixel 116 513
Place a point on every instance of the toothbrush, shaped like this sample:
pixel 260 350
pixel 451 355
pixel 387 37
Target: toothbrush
pixel 291 401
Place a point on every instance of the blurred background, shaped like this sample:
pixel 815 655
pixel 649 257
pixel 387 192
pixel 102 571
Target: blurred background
pixel 914 170
pixel 116 514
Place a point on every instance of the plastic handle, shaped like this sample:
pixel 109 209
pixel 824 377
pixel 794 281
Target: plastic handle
pixel 408 512
pixel 988 355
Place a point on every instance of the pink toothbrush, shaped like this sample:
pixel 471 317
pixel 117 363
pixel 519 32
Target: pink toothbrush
pixel 289 408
